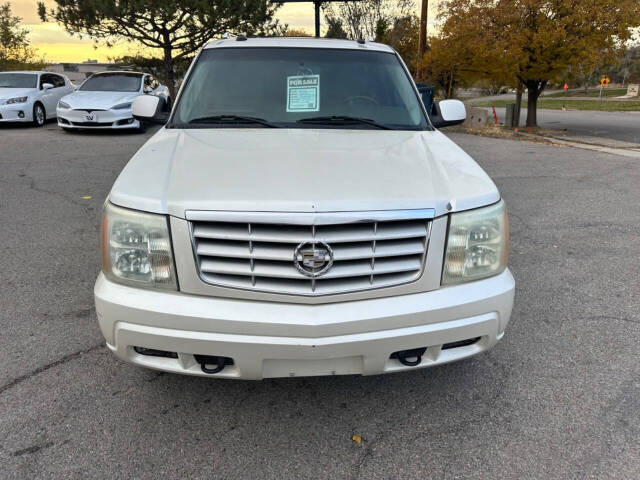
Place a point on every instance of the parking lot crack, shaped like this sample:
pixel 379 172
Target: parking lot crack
pixel 59 195
pixel 366 456
pixel 44 368
pixel 32 449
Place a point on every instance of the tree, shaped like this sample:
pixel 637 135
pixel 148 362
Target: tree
pixel 178 28
pixel 403 37
pixel 296 32
pixel 367 18
pixel 535 41
pixel 627 69
pixel 15 50
pixel 335 28
pixel 446 64
pixel 154 65
pixel 586 73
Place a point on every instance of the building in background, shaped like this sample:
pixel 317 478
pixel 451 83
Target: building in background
pixel 78 72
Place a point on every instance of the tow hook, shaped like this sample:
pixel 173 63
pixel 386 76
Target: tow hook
pixel 212 364
pixel 409 358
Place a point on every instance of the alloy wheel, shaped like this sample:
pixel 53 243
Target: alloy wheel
pixel 39 115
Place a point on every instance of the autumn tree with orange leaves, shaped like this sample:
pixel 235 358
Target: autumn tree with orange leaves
pixel 528 43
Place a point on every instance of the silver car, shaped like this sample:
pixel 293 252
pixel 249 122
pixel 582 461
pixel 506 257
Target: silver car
pixel 31 97
pixel 104 101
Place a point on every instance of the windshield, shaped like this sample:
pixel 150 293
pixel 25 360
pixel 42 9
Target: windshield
pixel 117 82
pixel 298 88
pixel 18 80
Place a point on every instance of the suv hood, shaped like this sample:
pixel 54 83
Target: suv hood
pixel 98 100
pixel 301 170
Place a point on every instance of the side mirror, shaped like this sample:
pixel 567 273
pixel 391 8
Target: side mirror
pixel 446 113
pixel 47 86
pixel 149 108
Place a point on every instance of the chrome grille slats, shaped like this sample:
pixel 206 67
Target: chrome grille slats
pixel 355 268
pixel 282 252
pixel 259 255
pixel 295 234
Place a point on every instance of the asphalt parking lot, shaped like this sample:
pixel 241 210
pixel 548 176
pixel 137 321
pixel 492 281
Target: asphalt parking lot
pixel 559 397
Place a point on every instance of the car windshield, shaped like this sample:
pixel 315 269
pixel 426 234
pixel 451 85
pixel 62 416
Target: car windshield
pixel 115 82
pixel 18 80
pixel 298 88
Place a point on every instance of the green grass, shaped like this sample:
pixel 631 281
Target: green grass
pixel 556 104
pixel 579 92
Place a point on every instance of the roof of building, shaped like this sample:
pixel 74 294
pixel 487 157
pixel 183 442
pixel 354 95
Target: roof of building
pixel 35 72
pixel 297 42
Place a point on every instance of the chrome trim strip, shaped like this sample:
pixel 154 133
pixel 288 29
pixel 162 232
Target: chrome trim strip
pixel 310 218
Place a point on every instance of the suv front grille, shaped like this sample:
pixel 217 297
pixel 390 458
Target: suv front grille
pixel 369 249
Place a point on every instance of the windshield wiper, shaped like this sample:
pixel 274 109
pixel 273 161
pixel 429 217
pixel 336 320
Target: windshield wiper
pixel 343 120
pixel 237 119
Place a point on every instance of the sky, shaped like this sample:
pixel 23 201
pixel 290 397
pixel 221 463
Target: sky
pixel 56 45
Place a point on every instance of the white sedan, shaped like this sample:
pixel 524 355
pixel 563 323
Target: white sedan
pixel 104 101
pixel 31 96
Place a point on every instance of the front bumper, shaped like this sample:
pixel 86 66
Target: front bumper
pixel 268 339
pixel 103 119
pixel 11 113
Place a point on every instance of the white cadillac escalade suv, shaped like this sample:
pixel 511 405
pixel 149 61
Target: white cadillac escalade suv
pixel 299 214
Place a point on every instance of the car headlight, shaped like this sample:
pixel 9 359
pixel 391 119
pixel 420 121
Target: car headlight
pixel 136 248
pixel 121 106
pixel 477 245
pixel 16 100
pixel 62 104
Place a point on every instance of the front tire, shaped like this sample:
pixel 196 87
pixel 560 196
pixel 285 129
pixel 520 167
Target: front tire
pixel 39 115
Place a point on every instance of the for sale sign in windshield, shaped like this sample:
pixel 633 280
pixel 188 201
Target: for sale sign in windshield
pixel 303 93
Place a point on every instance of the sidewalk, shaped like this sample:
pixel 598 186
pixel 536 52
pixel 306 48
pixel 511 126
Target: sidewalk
pixel 598 144
pixel 547 96
pixel 612 127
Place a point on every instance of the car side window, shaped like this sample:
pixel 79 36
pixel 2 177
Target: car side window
pixel 148 86
pixel 57 81
pixel 44 78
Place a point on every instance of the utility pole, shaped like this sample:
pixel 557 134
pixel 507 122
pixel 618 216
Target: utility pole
pixel 424 14
pixel 317 4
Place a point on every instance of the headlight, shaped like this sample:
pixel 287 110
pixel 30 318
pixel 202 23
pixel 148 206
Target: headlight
pixel 121 106
pixel 16 100
pixel 136 248
pixel 477 246
pixel 62 104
